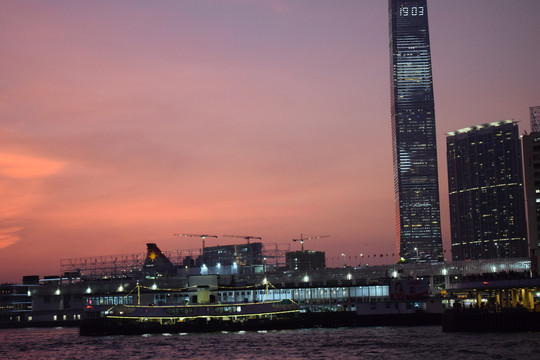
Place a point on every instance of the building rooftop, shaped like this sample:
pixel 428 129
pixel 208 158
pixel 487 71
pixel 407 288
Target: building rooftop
pixel 479 127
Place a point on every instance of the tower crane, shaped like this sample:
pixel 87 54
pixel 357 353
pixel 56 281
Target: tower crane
pixel 247 237
pixel 302 239
pixel 203 236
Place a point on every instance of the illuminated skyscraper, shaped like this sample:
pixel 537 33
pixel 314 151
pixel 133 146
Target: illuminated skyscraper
pixel 485 183
pixel 531 170
pixel 416 184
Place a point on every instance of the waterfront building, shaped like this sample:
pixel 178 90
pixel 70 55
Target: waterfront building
pixel 416 185
pixel 15 302
pixel 485 181
pixel 531 169
pixel 60 300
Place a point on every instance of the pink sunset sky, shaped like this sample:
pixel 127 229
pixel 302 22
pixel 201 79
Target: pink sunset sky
pixel 123 122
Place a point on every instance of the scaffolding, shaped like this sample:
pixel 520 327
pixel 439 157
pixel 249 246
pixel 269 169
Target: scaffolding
pixel 92 267
pixel 99 266
pixel 114 265
pixel 535 118
pixel 274 255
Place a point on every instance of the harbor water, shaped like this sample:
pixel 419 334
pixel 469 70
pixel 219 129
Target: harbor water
pixel 336 343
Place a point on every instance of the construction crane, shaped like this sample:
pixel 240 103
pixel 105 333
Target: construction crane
pixel 204 236
pixel 302 239
pixel 247 237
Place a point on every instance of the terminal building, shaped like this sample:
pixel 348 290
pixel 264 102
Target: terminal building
pixel 383 289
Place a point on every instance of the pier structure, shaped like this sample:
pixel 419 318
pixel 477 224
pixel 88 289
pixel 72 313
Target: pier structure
pixel 499 284
pixel 498 293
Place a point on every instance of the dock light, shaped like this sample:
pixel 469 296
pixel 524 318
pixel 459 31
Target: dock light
pixel 394 274
pixel 219 265
pixel 120 288
pixel 57 292
pixel 204 269
pixel 349 276
pixel 445 271
pixel 265 281
pixel 493 268
pixel 306 278
pixel 88 290
pixel 154 286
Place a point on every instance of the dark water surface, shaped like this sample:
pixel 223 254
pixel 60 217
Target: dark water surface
pixel 341 343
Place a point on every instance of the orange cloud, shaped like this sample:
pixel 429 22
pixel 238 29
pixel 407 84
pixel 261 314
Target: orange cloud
pixel 9 236
pixel 25 167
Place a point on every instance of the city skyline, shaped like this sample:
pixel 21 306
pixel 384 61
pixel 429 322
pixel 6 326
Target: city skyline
pixel 125 123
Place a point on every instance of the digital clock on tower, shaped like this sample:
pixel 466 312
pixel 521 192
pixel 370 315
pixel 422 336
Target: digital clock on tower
pixel 411 11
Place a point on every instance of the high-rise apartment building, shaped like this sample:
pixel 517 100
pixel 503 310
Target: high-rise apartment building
pixel 531 170
pixel 416 184
pixel 485 181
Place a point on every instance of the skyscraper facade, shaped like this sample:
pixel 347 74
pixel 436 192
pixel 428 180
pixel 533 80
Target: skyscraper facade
pixel 416 184
pixel 531 171
pixel 485 182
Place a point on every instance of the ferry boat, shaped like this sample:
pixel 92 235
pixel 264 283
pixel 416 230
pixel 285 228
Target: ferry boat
pixel 203 315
